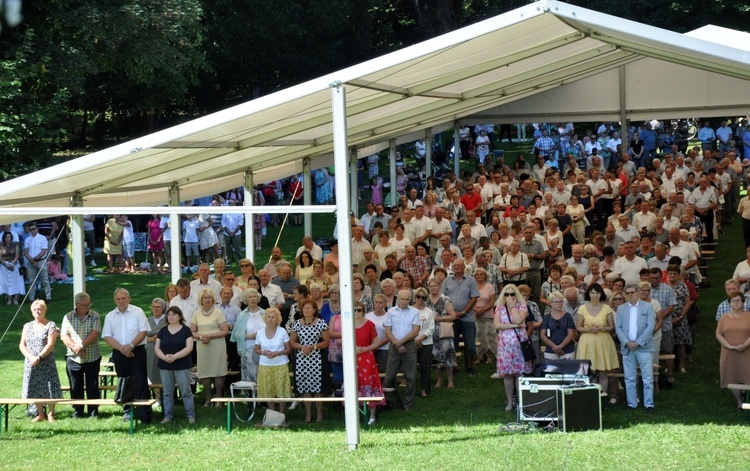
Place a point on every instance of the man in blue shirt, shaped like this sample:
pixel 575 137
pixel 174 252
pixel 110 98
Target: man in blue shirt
pixel 707 136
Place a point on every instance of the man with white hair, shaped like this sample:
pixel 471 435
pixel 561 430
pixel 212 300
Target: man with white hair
pixel 629 266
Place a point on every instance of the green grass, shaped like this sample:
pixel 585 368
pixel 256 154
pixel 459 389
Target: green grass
pixel 695 424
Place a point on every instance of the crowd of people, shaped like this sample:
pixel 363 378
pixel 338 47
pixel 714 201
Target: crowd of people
pixel 586 254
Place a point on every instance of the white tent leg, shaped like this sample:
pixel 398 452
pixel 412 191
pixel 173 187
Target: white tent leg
pixel 78 255
pixel 249 231
pixel 176 232
pixel 341 156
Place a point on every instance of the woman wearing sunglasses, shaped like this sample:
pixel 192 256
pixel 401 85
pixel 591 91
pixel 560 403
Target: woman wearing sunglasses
pixel 510 318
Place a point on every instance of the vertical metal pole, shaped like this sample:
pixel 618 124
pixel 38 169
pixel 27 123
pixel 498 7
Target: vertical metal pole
pixel 392 155
pixel 340 156
pixel 78 257
pixel 249 230
pixel 175 229
pixel 457 149
pixel 307 193
pixel 354 181
pixel 623 113
pixel 428 150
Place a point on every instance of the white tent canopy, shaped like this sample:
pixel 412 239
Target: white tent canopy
pixel 547 61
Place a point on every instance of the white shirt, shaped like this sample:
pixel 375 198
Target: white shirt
pixel 274 294
pixel 196 287
pixel 630 270
pixel 633 325
pixel 232 221
pixel 315 251
pixel 125 326
pixel 188 306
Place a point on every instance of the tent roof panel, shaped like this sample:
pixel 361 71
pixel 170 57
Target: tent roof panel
pixel 546 61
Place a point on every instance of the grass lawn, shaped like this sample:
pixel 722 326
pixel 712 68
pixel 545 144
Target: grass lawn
pixel 695 426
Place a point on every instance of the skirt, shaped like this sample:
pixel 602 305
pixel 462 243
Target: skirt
pixel 273 381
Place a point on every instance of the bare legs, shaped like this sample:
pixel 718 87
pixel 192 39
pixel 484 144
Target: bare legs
pixel 509 381
pixel 308 408
pixel 218 383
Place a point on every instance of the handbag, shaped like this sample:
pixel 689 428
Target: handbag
pixel 527 349
pixel 125 390
pixel 274 419
pixel 445 330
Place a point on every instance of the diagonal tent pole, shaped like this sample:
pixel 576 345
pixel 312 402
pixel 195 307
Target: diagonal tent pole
pixel 341 158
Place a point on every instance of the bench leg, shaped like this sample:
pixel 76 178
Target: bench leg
pixel 229 418
pixel 132 420
pixel 4 415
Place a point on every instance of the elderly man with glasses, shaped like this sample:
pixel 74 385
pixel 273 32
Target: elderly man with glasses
pixel 635 329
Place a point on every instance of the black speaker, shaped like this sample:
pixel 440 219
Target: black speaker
pixel 579 408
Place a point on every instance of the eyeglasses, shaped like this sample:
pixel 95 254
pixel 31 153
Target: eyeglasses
pixel 245 265
pixel 358 309
pixel 419 296
pixel 618 299
pixel 511 294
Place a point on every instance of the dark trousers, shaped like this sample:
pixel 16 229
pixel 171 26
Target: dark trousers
pixel 746 231
pixel 467 330
pixel 708 225
pixel 136 368
pixel 424 360
pixel 83 377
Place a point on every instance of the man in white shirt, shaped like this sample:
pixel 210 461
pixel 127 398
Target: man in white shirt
pixel 232 226
pixel 629 266
pixel 185 300
pixel 310 246
pixel 644 220
pixel 423 226
pixel 440 227
pixel 359 244
pixel 125 329
pixel 682 249
pixel 539 170
pixel 35 249
pixel 578 262
pixel 204 282
pixel 366 218
pixel 271 291
pixel 401 328
pixel 477 230
pixel 626 232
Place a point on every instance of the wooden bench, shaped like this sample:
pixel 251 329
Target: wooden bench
pixel 7 402
pixel 230 401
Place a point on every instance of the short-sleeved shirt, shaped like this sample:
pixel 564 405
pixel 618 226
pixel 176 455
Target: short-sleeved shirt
pixel 125 326
pixel 170 343
pixel 79 329
pixel 557 329
pixel 460 293
pixel 401 321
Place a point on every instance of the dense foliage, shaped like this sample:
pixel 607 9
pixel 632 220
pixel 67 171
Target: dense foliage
pixel 79 75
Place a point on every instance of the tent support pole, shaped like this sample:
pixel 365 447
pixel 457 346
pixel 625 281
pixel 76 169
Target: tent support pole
pixel 249 229
pixel 457 149
pixel 623 113
pixel 353 182
pixel 340 157
pixel 428 152
pixel 176 234
pixel 392 161
pixel 78 257
pixel 307 193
